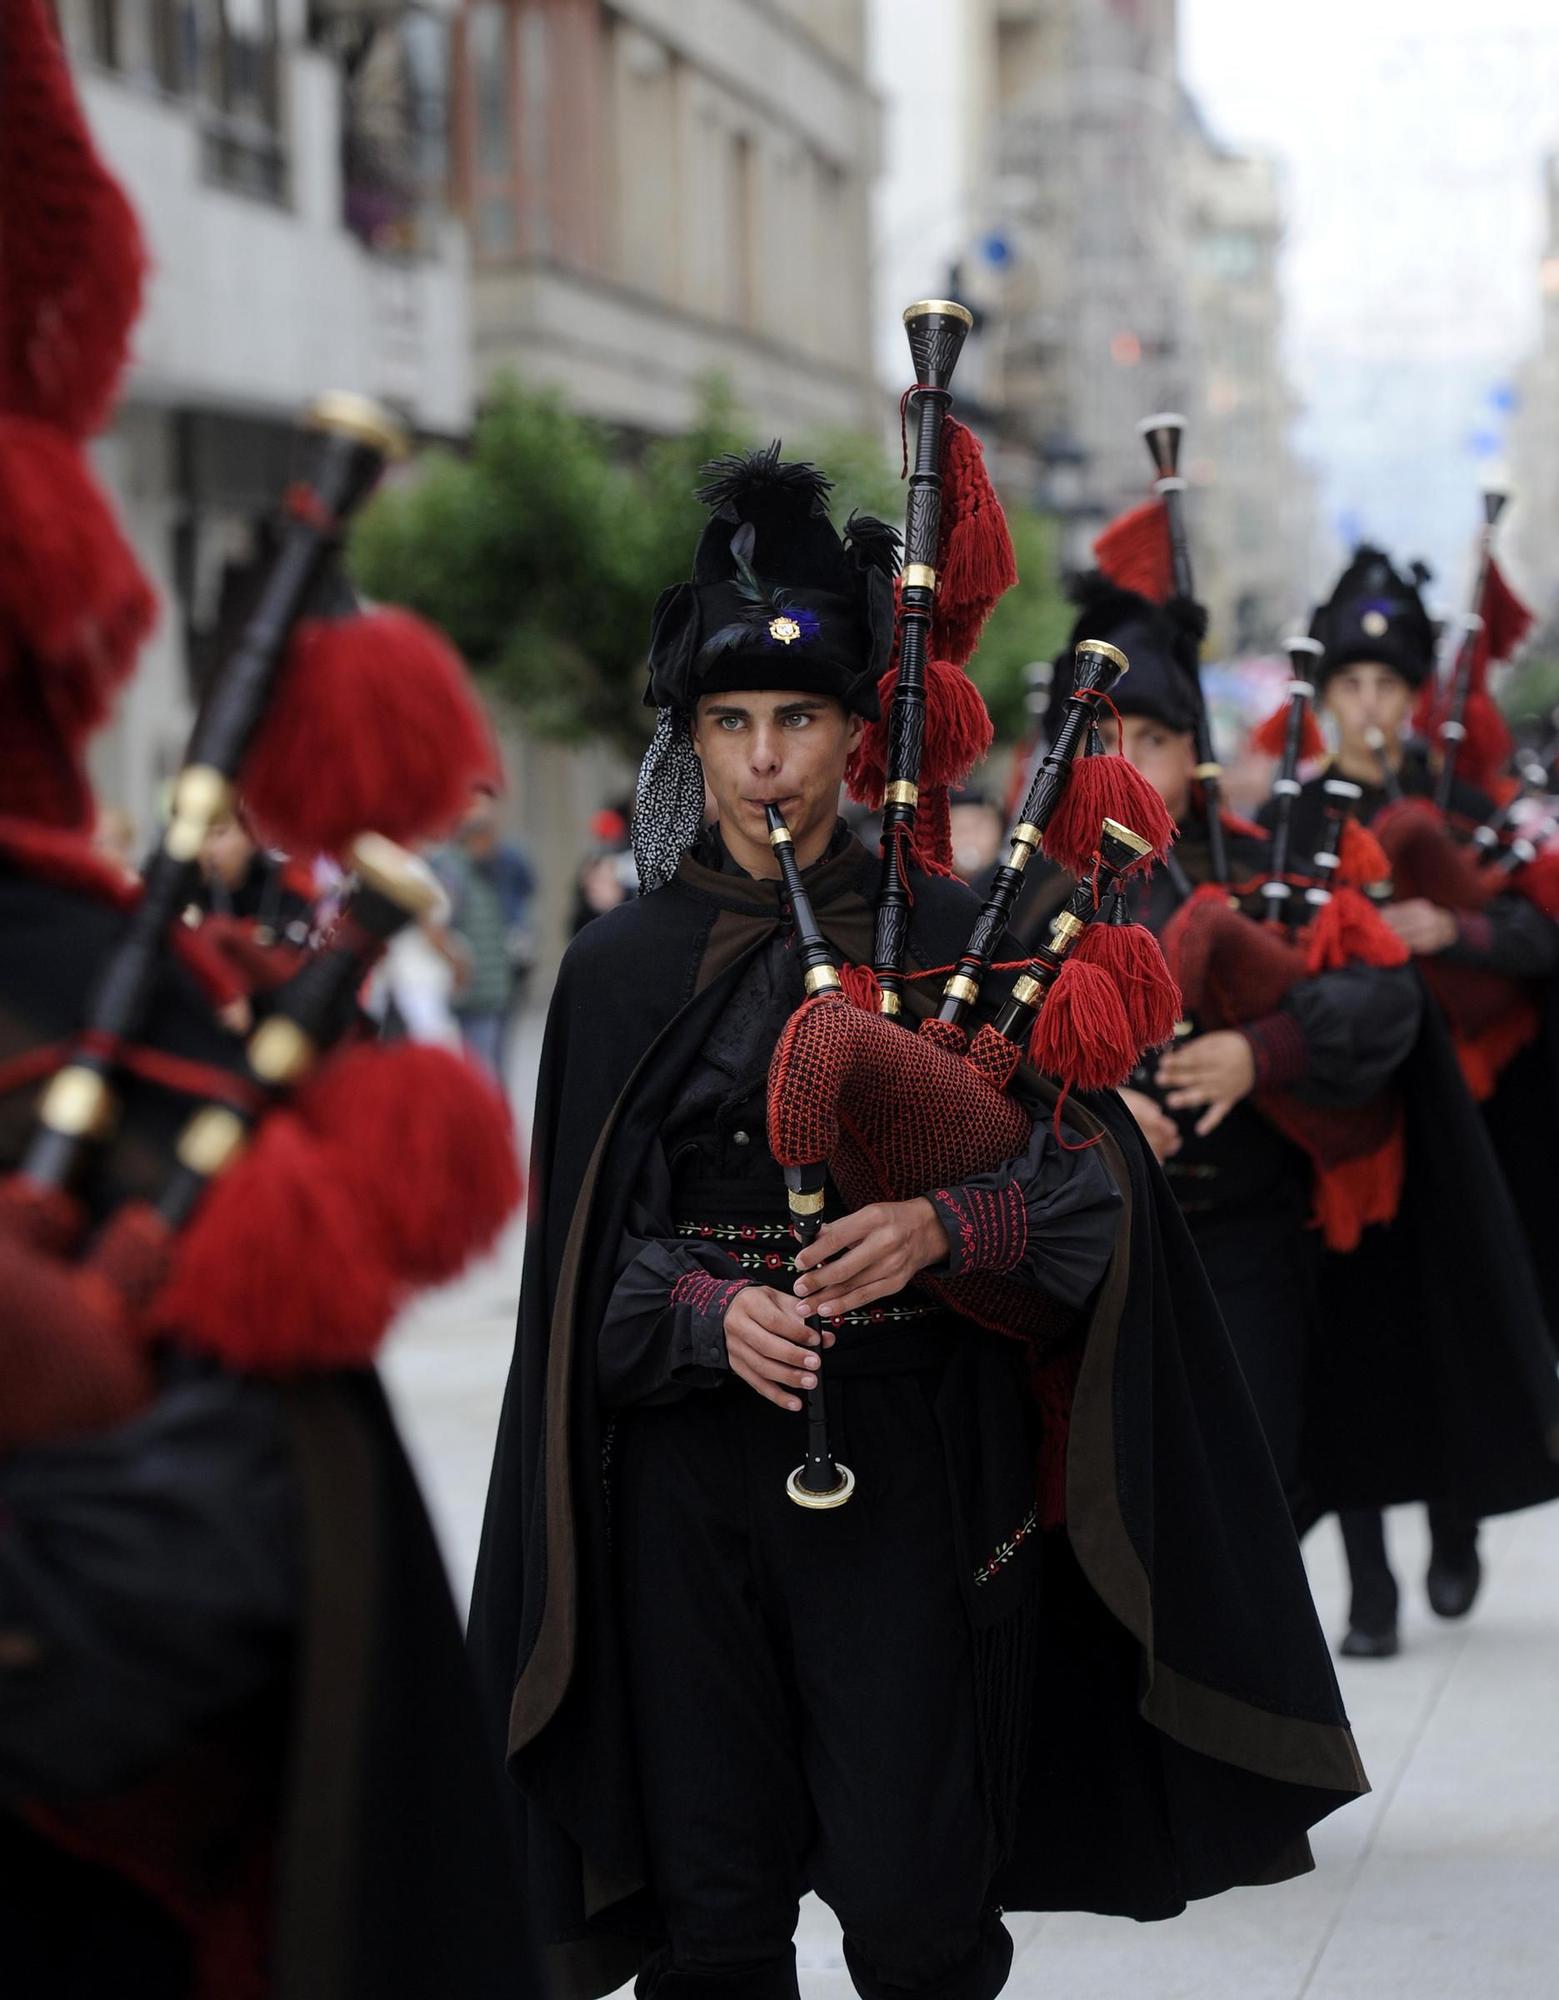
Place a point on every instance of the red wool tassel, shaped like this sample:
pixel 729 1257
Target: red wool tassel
pixel 283 1270
pixel 381 704
pixel 932 844
pixel 71 257
pixel 1134 552
pixel 1348 930
pixel 1352 1194
pixel 1485 749
pixel 1271 737
pixel 1082 1036
pixel 69 1365
pixel 862 988
pixel 440 1183
pixel 958 725
pixel 976 565
pixel 1129 954
pixel 1361 859
pixel 1100 788
pixel 1506 620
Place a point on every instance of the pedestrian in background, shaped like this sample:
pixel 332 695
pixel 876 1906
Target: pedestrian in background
pixel 491 886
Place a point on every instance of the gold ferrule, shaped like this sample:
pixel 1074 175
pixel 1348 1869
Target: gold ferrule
pixel 922 307
pixel 918 576
pixel 1110 652
pixel 400 877
pixel 889 1003
pixel 200 798
pixel 779 836
pixel 1027 990
pixel 346 414
pixel 1207 771
pixel 78 1104
pixel 211 1140
pixel 1184 1030
pixel 1127 835
pixel 802 1203
pixel 822 979
pixel 1025 834
pixel 902 792
pixel 1066 926
pixel 962 988
pixel 279 1051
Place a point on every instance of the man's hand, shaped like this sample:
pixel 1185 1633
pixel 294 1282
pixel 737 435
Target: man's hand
pixel 1216 1070
pixel 769 1344
pixel 1160 1131
pixel 1422 926
pixel 869 1255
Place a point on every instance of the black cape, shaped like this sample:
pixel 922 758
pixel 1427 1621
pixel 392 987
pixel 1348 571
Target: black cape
pixel 387 1874
pixel 1187 1726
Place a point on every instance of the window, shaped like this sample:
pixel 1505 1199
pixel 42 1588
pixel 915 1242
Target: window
pixel 489 56
pixel 237 75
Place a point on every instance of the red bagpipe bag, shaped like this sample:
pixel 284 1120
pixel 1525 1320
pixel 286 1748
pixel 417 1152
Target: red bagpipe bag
pixel 1231 970
pixel 1491 1016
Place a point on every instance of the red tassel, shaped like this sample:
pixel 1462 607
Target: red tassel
pixel 1130 955
pixel 1134 552
pixel 440 1183
pixel 1270 738
pixel 1081 1036
pixel 1506 621
pixel 1101 788
pixel 1485 750
pixel 958 725
pixel 1361 860
pixel 1348 930
pixel 976 565
pixel 283 1270
pixel 932 845
pixel 71 258
pixel 862 988
pixel 382 707
pixel 1352 1194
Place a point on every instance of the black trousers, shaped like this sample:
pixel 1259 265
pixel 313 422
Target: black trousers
pixel 804 1699
pixel 1453 1533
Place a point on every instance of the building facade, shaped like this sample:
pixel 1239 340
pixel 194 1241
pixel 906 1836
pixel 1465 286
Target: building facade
pixel 285 162
pixel 1530 543
pixel 660 191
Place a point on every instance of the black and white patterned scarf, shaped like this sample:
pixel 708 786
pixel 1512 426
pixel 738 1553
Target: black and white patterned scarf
pixel 668 801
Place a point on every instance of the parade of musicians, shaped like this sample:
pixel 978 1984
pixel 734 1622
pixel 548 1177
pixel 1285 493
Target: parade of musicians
pixel 779 1000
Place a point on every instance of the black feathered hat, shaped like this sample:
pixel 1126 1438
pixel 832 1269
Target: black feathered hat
pixel 778 598
pixel 1376 613
pixel 1161 641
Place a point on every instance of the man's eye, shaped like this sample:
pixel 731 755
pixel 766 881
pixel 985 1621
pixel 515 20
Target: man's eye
pixel 730 723
pixel 797 721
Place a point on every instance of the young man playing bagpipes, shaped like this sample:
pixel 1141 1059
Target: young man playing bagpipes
pixel 1026 1666
pixel 1484 940
pixel 238 1748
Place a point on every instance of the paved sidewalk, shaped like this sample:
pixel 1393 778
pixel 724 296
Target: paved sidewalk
pixel 1445 1882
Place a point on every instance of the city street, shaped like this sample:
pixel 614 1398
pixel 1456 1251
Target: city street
pixel 1441 1883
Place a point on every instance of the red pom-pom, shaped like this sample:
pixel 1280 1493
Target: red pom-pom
pixel 1348 930
pixel 283 1270
pixel 1134 552
pixel 862 988
pixel 439 1183
pixel 1361 859
pixel 976 565
pixel 374 726
pixel 1129 954
pixel 71 259
pixel 1101 788
pixel 1270 738
pixel 1082 1036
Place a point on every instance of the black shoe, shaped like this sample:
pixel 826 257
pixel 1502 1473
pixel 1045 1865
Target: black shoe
pixel 1452 1582
pixel 1361 1644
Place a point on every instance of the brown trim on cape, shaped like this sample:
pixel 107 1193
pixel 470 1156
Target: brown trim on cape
pixel 1283 1747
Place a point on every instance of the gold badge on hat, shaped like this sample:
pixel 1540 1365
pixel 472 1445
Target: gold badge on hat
pixel 784 630
pixel 1374 623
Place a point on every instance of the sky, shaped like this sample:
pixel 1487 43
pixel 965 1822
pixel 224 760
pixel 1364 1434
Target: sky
pixel 1411 136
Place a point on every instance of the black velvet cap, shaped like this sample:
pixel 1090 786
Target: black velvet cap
pixel 1161 641
pixel 778 598
pixel 1376 613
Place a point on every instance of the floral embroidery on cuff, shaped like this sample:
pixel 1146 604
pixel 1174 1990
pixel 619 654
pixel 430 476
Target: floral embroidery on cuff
pixel 707 1295
pixel 988 1227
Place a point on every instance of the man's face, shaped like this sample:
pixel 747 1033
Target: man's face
pixel 1166 757
pixel 1368 696
pixel 976 834
pixel 226 853
pixel 765 748
pixel 479 828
